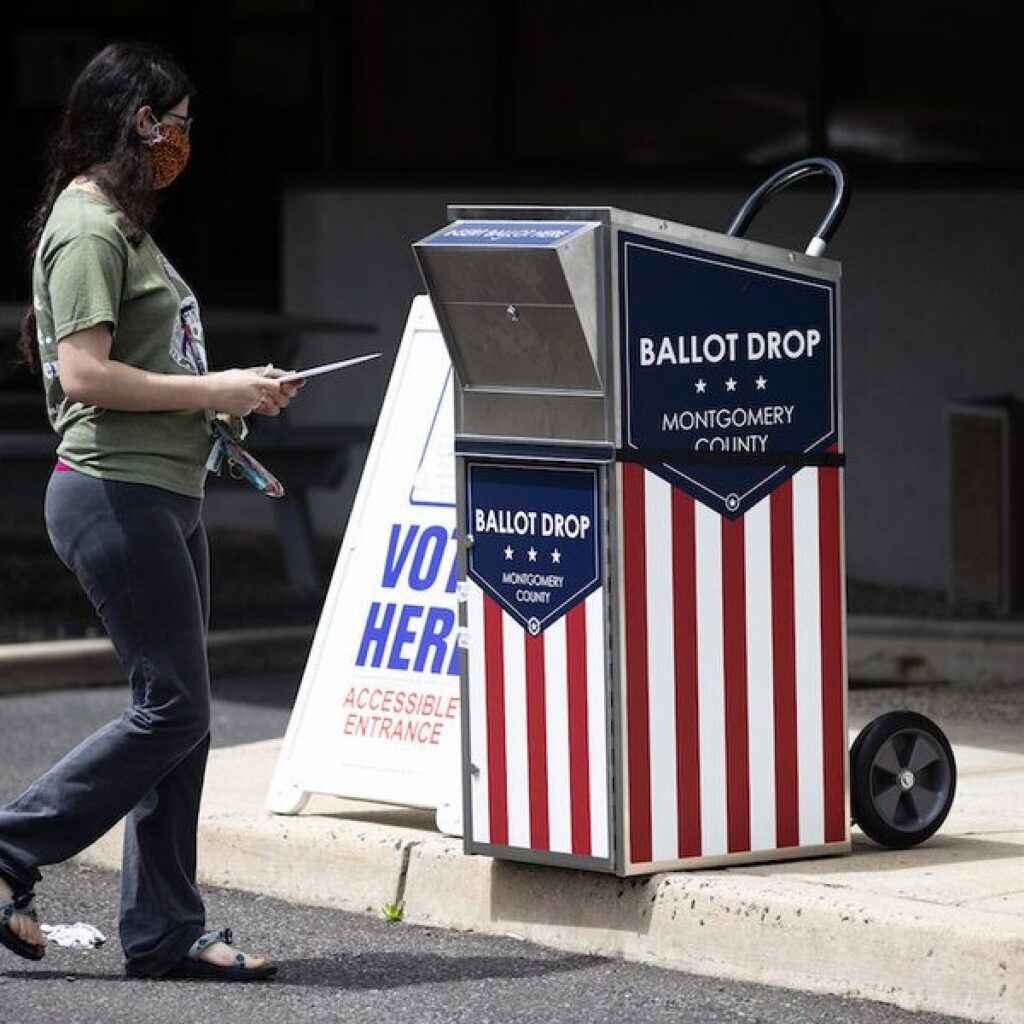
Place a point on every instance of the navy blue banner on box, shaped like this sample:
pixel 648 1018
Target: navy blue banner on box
pixel 536 538
pixel 724 358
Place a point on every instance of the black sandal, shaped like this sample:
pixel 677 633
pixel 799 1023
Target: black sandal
pixel 23 904
pixel 192 967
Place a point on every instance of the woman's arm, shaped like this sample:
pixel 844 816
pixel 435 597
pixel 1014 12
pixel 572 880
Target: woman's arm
pixel 88 375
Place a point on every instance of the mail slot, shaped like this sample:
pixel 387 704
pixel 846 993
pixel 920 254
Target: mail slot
pixel 517 303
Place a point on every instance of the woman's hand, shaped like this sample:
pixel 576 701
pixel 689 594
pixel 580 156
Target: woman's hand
pixel 273 404
pixel 239 392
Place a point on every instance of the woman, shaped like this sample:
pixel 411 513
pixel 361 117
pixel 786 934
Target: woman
pixel 119 338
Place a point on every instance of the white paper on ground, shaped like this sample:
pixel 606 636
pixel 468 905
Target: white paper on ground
pixel 74 936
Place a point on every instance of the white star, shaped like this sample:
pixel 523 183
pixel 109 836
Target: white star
pixel 532 554
pixel 556 556
pixel 760 382
pixel 508 554
pixel 730 384
pixel 701 387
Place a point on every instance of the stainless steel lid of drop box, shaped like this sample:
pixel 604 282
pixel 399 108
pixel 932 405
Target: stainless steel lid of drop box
pixel 520 295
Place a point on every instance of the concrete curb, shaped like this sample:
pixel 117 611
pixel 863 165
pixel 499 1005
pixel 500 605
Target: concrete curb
pixel 292 858
pixel 340 867
pixel 872 925
pixel 770 930
pixel 882 649
pixel 886 649
pixel 58 664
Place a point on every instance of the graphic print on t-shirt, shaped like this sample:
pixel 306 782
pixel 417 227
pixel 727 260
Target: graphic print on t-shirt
pixel 187 349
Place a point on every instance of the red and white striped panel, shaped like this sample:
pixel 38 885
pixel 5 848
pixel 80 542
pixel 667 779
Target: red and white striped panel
pixel 538 729
pixel 733 670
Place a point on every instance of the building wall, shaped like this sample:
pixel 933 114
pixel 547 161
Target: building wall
pixel 932 309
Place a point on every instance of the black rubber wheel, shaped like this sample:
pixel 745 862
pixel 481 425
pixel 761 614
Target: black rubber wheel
pixel 903 779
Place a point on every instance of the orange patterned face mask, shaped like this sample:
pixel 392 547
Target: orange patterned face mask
pixel 167 153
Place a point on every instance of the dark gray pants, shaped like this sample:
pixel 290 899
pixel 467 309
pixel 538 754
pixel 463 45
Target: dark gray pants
pixel 140 553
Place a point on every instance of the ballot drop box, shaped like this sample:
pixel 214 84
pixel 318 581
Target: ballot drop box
pixel 648 431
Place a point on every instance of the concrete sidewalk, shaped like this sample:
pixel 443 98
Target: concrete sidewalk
pixel 939 928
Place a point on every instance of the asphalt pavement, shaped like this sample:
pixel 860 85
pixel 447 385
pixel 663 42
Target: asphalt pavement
pixel 335 965
pixel 39 728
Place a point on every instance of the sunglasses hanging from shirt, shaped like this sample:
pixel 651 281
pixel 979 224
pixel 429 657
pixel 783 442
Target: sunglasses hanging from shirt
pixel 241 465
pixel 228 433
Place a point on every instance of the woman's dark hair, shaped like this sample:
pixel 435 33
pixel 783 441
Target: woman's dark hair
pixel 98 127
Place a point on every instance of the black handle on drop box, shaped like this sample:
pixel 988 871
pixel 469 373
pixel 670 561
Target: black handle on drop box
pixel 787 176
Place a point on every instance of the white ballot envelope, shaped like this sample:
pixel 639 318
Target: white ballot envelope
pixel 327 367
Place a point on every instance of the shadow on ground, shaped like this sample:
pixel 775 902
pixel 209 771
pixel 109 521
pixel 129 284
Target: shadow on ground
pixel 939 850
pixel 270 690
pixel 370 971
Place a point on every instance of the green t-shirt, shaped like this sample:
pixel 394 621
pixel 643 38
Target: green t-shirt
pixel 86 272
